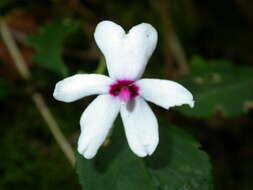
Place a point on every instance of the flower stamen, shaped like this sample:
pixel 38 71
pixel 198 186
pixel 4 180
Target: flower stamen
pixel 124 89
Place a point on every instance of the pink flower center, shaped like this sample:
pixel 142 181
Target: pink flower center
pixel 124 89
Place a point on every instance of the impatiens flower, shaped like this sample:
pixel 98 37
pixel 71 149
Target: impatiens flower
pixel 123 92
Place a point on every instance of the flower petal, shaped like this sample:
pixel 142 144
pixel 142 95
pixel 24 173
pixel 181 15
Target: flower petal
pixel 126 54
pixel 96 122
pixel 81 85
pixel 141 127
pixel 164 93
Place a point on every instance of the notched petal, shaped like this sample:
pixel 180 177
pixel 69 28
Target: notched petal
pixel 126 54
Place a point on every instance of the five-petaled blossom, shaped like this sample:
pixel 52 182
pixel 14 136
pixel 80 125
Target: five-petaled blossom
pixel 123 92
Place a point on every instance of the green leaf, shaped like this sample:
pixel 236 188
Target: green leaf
pixel 218 85
pixel 176 164
pixel 48 44
pixel 4 89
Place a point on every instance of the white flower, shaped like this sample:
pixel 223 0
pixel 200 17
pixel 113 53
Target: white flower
pixel 126 57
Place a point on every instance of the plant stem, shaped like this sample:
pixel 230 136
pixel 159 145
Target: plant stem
pixel 14 51
pixel 101 66
pixel 54 127
pixel 36 97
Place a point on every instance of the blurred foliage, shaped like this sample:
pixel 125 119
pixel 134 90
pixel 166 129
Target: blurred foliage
pixel 3 3
pixel 49 44
pixel 30 159
pixel 218 85
pixel 176 164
